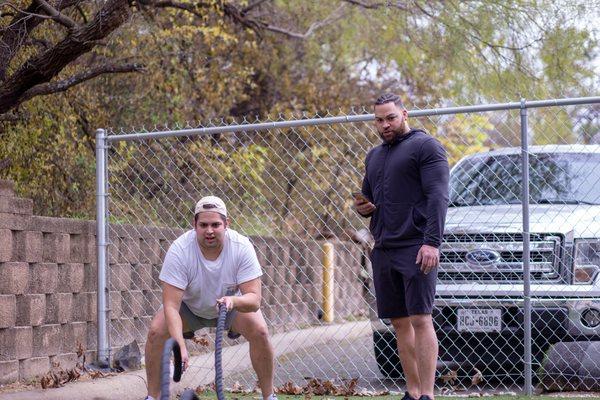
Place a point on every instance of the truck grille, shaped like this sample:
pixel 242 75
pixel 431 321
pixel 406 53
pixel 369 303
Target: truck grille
pixel 498 257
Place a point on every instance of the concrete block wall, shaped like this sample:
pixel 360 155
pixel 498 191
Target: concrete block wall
pixel 46 306
pixel 48 282
pixel 292 281
pixel 135 255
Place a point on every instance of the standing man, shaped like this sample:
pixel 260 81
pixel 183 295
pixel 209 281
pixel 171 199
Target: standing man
pixel 405 192
pixel 206 266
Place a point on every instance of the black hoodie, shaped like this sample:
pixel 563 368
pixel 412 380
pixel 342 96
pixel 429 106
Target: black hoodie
pixel 407 180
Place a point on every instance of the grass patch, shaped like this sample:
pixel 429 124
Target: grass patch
pixel 255 396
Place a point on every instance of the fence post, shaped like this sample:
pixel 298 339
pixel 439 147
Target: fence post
pixel 328 284
pixel 103 354
pixel 526 253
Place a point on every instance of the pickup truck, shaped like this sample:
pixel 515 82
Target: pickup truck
pixel 479 306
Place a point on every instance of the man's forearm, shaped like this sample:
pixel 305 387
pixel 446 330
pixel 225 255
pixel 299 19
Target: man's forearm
pixel 434 230
pixel 174 324
pixel 249 302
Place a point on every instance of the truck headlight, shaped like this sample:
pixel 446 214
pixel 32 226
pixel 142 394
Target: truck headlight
pixel 587 260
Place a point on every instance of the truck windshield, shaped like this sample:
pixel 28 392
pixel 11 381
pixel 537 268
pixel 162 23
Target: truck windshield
pixel 554 178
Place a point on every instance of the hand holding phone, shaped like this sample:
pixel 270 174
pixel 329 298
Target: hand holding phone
pixel 358 196
pixel 362 204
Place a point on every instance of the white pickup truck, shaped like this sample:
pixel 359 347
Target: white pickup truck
pixel 479 312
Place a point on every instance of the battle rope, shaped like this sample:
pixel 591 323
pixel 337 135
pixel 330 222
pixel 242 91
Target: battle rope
pixel 218 346
pixel 172 346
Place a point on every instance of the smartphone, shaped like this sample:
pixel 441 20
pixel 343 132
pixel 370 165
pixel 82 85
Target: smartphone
pixel 359 196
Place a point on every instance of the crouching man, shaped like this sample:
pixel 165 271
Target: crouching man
pixel 207 266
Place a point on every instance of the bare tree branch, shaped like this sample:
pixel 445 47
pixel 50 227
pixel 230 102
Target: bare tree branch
pixel 363 5
pixel 237 16
pixel 46 65
pixel 253 5
pixel 82 13
pixel 191 8
pixel 13 36
pixel 240 17
pixel 61 86
pixel 374 6
pixel 334 16
pixel 474 39
pixel 56 15
pixel 40 16
pixel 478 36
pixel 39 42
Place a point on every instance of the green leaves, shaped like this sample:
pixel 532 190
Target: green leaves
pixel 204 67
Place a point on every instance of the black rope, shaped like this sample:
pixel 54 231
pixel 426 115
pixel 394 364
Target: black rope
pixel 218 347
pixel 172 346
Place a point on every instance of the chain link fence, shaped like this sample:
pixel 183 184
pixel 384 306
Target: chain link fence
pixel 503 319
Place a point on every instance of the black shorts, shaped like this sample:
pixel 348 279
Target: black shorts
pixel 401 289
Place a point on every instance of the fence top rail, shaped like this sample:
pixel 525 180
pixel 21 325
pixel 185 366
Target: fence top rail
pixel 350 118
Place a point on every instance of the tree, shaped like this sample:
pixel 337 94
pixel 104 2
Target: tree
pixel 32 77
pixel 30 63
pixel 220 62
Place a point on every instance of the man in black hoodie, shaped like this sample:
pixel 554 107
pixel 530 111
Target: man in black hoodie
pixel 405 192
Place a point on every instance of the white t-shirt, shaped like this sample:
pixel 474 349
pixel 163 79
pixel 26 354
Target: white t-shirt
pixel 205 281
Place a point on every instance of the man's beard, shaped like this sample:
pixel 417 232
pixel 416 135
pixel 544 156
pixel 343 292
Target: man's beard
pixel 395 135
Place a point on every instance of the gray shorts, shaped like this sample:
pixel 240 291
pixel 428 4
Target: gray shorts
pixel 192 322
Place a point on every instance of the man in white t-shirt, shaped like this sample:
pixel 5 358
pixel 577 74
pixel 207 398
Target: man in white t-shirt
pixel 206 266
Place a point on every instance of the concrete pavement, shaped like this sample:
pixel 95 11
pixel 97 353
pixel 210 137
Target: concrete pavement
pixel 132 385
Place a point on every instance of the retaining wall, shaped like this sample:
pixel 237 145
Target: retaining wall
pixel 48 281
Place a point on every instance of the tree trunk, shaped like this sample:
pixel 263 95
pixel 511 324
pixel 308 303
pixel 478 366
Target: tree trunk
pixel 48 64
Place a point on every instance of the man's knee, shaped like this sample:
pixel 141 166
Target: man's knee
pixel 158 331
pixel 257 332
pixel 421 322
pixel 401 324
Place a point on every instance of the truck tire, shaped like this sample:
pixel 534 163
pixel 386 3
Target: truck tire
pixel 571 366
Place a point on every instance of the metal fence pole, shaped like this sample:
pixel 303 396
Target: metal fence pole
pixel 103 355
pixel 526 276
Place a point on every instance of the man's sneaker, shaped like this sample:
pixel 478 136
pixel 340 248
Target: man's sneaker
pixel 424 397
pixel 408 397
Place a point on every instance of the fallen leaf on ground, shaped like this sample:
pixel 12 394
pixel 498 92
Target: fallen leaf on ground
pixel 318 387
pixel 201 340
pixel 450 377
pixel 477 378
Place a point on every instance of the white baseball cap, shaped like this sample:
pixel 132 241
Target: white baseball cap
pixel 211 203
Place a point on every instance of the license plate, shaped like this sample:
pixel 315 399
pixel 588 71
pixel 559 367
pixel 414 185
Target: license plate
pixel 479 320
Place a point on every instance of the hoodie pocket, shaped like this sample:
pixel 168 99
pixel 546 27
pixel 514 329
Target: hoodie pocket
pixel 399 221
pixel 419 220
pixel 376 225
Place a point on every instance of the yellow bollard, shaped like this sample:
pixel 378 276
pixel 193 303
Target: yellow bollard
pixel 328 288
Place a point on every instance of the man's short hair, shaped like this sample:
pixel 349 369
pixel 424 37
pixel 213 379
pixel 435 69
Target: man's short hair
pixel 389 98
